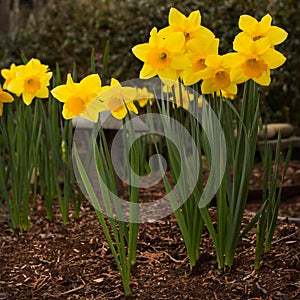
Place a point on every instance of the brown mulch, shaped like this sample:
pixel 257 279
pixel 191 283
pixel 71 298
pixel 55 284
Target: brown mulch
pixel 53 261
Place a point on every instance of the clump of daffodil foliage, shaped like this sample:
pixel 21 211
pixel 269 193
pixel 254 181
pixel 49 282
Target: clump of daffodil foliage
pixel 196 60
pixel 36 143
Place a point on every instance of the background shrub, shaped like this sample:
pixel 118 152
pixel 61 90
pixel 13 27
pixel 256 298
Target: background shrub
pixel 66 31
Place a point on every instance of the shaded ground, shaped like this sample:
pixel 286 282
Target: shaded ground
pixel 74 262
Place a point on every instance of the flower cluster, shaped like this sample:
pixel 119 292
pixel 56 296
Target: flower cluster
pixel 88 97
pixel 30 80
pixel 255 55
pixel 187 51
pixel 183 51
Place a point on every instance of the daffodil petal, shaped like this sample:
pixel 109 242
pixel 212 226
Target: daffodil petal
pixel 262 45
pixel 5 97
pixel 264 79
pixel 91 83
pixel 147 71
pixel 166 31
pixel 176 18
pixel 27 98
pixel 175 42
pixel 155 39
pixel 179 62
pixel 168 73
pixel 132 107
pixel 194 19
pixel 273 58
pixel 247 23
pixel 212 46
pixel 237 75
pixel 206 73
pixel 189 77
pixel 47 77
pixel 129 94
pixel 204 33
pixel 265 23
pixel 207 87
pixel 43 92
pixel 232 89
pixel 141 51
pixel 120 113
pixel 92 111
pixel 61 93
pixel 114 82
pixel 15 86
pixel 213 60
pixel 5 73
pixel 67 114
pixel 242 42
pixel 277 35
pixel 233 59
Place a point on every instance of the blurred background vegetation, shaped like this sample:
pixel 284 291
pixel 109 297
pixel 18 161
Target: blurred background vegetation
pixel 66 31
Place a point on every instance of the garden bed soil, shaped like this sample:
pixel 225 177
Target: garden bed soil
pixel 54 261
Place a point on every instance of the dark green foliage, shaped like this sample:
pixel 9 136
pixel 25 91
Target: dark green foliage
pixel 66 31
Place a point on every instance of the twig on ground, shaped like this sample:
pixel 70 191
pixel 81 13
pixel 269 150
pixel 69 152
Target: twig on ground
pixel 287 219
pixel 175 260
pixel 73 290
pixel 285 238
pixel 261 289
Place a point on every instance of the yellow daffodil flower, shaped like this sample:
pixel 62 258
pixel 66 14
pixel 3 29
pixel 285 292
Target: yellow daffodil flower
pixel 180 96
pixel 80 99
pixel 227 95
pixel 10 74
pixel 257 30
pixel 119 99
pixel 253 60
pixel 32 80
pixel 162 56
pixel 190 26
pixel 198 50
pixel 216 76
pixel 4 98
pixel 144 96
